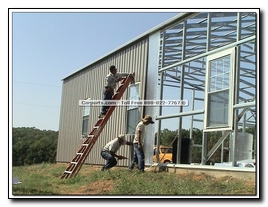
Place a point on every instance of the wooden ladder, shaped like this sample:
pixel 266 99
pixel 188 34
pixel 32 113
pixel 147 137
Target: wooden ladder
pixel 84 150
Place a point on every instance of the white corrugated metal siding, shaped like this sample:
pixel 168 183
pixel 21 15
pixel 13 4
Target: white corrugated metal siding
pixel 89 82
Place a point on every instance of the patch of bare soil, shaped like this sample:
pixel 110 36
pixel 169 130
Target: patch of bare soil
pixel 200 176
pixel 96 188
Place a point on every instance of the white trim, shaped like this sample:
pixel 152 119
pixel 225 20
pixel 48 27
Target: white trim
pixel 232 53
pixel 127 108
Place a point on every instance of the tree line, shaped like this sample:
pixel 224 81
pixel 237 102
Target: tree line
pixel 33 146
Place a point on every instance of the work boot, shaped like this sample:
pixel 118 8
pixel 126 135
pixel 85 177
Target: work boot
pixel 101 116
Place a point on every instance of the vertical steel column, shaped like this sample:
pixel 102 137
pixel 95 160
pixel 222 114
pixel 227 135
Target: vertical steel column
pixel 244 122
pixel 235 90
pixel 160 97
pixel 159 121
pixel 178 157
pixel 205 140
pixel 192 117
pixel 222 147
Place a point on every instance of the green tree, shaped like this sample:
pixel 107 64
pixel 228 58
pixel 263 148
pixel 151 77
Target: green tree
pixel 166 137
pixel 33 146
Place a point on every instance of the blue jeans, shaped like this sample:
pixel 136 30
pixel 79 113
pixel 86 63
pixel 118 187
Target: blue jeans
pixel 110 160
pixel 137 158
pixel 107 95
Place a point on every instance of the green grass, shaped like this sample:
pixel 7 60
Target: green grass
pixel 44 179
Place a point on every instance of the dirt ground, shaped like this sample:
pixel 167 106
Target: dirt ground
pixel 103 187
pixel 96 188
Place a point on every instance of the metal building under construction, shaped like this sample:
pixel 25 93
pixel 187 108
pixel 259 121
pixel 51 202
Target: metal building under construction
pixel 208 59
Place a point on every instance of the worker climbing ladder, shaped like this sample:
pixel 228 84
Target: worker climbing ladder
pixel 84 150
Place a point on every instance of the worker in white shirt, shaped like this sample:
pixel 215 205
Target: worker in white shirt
pixel 138 143
pixel 108 152
pixel 111 79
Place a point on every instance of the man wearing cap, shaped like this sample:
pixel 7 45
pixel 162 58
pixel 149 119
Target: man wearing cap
pixel 108 152
pixel 138 143
pixel 111 79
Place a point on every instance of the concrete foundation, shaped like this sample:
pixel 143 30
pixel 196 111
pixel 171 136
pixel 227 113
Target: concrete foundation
pixel 242 173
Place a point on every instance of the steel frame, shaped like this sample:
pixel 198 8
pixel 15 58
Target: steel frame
pixel 184 47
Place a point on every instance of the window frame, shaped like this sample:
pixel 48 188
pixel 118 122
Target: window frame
pixel 85 118
pixel 211 94
pixel 134 109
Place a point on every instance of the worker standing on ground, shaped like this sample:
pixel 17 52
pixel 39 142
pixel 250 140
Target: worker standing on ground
pixel 108 152
pixel 138 143
pixel 111 79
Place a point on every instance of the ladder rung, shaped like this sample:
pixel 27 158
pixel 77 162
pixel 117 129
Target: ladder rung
pixel 91 138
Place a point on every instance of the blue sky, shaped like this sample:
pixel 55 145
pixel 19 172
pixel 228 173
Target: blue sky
pixel 48 46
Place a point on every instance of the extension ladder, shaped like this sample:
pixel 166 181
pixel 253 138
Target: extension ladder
pixel 82 153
